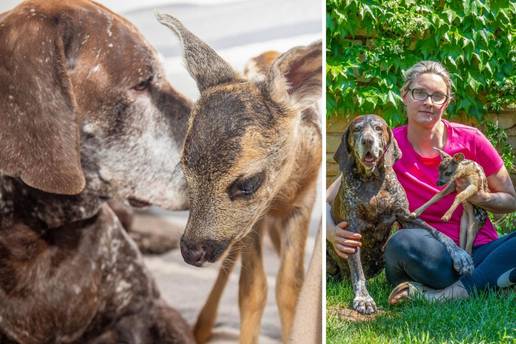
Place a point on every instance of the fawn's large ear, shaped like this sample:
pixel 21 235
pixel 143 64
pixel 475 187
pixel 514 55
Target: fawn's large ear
pixel 205 66
pixel 295 77
pixel 442 153
pixel 343 155
pixel 39 133
pixel 392 152
pixel 458 157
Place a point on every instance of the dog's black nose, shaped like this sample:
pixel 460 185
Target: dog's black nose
pixel 367 140
pixel 192 252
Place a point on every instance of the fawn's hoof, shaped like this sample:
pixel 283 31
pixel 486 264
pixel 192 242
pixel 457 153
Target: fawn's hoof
pixel 446 217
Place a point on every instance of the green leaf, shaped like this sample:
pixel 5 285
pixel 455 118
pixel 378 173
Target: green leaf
pixel 483 34
pixel 452 61
pixel 488 68
pixel 368 10
pixel 467 6
pixel 473 84
pixel 450 15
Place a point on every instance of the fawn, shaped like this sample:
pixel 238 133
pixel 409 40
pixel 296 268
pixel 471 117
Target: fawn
pixel 251 159
pixel 473 217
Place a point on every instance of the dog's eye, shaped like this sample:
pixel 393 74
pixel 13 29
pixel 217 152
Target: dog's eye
pixel 377 128
pixel 245 188
pixel 142 86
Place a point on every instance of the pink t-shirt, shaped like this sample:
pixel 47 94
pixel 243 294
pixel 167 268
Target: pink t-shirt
pixel 418 176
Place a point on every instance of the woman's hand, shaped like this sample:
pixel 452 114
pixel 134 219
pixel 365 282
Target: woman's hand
pixel 346 242
pixel 343 241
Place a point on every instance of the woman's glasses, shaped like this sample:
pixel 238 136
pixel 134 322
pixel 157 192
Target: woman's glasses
pixel 420 94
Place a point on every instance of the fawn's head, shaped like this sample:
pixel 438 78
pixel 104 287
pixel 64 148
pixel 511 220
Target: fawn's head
pixel 241 137
pixel 449 166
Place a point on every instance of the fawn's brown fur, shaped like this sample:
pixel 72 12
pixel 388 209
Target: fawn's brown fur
pixel 251 159
pixel 473 218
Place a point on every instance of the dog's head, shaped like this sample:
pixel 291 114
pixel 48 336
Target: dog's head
pixel 448 167
pixel 368 144
pixel 85 105
pixel 240 137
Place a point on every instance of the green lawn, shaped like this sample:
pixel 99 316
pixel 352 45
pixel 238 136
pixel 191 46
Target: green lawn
pixel 484 318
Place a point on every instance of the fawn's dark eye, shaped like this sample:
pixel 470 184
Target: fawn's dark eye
pixel 245 187
pixel 143 85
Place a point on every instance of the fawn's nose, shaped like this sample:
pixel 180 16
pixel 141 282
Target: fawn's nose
pixel 192 253
pixel 196 252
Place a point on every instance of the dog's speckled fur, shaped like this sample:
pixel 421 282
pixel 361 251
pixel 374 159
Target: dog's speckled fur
pixel 371 200
pixel 85 116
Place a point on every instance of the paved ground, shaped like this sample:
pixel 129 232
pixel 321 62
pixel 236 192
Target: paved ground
pixel 238 30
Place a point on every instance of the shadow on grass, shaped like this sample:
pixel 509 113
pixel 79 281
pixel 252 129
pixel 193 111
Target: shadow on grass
pixel 483 318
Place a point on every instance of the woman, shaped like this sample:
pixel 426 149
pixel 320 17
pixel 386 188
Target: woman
pixel 414 256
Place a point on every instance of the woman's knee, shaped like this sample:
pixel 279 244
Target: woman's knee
pixel 404 244
pixel 416 255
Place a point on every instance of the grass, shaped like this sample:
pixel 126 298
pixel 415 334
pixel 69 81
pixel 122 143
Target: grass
pixel 484 318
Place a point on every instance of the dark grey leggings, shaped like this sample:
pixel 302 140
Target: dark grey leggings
pixel 415 255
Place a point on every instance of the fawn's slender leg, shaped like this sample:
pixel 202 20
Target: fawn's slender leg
pixel 275 234
pixel 291 274
pixel 449 189
pixel 206 318
pixel 471 229
pixel 252 293
pixel 461 197
pixel 464 223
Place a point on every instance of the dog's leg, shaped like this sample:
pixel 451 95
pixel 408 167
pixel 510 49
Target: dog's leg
pixel 460 198
pixel 447 190
pixel 291 273
pixel 206 319
pixel 462 261
pixel 252 293
pixel 363 302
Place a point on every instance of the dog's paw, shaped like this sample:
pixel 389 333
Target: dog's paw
pixel 462 261
pixel 364 304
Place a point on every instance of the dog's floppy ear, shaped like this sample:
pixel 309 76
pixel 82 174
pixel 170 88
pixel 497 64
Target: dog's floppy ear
pixel 392 152
pixel 204 65
pixel 343 154
pixel 39 135
pixel 295 78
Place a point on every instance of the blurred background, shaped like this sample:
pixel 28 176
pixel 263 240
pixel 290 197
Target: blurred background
pixel 238 30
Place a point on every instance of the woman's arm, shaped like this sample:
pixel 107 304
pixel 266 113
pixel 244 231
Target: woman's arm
pixel 344 242
pixel 500 199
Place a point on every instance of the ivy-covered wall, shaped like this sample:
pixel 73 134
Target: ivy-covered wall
pixel 371 43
